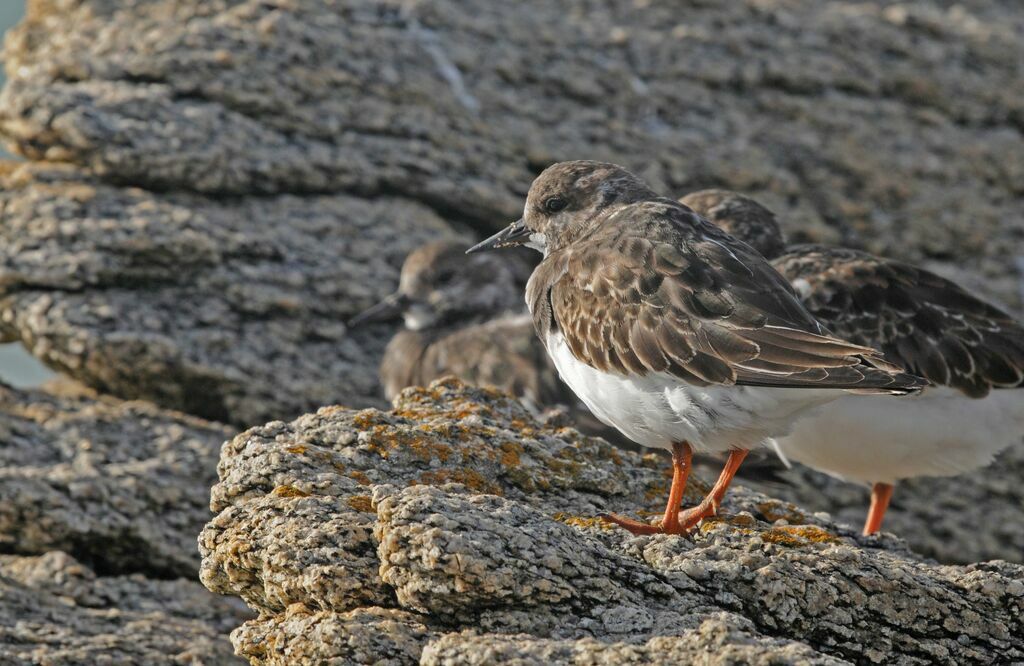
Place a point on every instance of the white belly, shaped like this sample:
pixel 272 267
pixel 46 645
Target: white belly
pixel 940 432
pixel 658 409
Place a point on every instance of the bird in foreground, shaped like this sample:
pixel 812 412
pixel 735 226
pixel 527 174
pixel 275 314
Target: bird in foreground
pixel 972 352
pixel 463 318
pixel 672 331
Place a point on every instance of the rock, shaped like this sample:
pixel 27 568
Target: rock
pixel 120 486
pixel 55 610
pixel 309 126
pixel 457 529
pixel 967 518
pixel 230 310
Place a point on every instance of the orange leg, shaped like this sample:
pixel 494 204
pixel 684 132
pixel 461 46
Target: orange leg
pixel 682 456
pixel 709 505
pixel 881 493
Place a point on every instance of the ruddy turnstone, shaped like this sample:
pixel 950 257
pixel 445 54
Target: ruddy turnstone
pixel 672 331
pixel 971 351
pixel 463 318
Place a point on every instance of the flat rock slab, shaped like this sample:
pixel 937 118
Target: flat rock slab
pixel 56 611
pixel 323 140
pixel 457 529
pixel 122 486
pixel 232 310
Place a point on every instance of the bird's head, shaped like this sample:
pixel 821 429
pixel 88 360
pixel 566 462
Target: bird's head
pixel 563 202
pixel 439 285
pixel 741 217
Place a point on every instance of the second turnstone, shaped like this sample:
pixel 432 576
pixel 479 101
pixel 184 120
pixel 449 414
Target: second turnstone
pixel 972 351
pixel 463 318
pixel 671 330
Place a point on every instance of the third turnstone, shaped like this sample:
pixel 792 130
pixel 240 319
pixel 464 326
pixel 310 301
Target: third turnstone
pixel 671 330
pixel 972 352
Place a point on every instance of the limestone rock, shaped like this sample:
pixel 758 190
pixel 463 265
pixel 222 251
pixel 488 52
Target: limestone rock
pixel 121 486
pixel 55 610
pixel 457 529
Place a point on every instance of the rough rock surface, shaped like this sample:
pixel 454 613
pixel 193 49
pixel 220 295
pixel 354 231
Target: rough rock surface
pixel 456 529
pixel 56 611
pixel 122 486
pixel 307 123
pixel 232 310
pixel 968 518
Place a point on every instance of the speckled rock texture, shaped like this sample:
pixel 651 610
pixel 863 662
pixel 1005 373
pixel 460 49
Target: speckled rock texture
pixel 56 611
pixel 122 486
pixel 456 529
pixel 333 131
pixel 962 519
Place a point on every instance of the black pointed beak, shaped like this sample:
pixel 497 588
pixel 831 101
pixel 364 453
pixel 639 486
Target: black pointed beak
pixel 389 308
pixel 514 234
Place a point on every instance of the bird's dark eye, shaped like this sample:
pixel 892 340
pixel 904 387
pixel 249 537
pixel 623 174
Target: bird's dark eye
pixel 555 204
pixel 445 276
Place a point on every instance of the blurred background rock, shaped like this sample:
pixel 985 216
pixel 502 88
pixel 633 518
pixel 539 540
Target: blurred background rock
pixel 17 366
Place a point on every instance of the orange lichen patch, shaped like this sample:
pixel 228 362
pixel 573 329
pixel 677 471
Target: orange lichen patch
pixel 793 536
pixel 384 440
pixel 582 521
pixel 743 522
pixel 774 510
pixel 359 477
pixel 288 491
pixel 360 503
pixel 366 419
pixel 510 454
pixel 466 476
pixel 298 449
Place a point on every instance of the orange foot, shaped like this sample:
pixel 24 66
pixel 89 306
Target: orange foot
pixel 640 527
pixel 682 456
pixel 673 521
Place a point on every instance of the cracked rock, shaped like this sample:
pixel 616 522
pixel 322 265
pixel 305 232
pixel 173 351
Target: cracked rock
pixel 56 611
pixel 121 486
pixel 455 528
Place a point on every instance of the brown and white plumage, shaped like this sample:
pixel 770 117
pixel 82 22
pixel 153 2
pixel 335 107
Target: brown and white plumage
pixel 669 293
pixel 672 331
pixel 971 351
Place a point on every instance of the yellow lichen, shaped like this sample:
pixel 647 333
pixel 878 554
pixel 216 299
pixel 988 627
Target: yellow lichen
pixel 360 503
pixel 774 510
pixel 582 521
pixel 359 477
pixel 298 449
pixel 466 476
pixel 289 491
pixel 793 536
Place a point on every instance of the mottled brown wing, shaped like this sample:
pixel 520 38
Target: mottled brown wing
pixel 925 323
pixel 669 293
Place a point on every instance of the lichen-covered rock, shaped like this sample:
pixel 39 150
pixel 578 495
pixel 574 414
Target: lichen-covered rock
pixel 231 310
pixel 56 611
pixel 724 638
pixel 120 485
pixel 457 511
pixel 968 518
pixel 316 136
